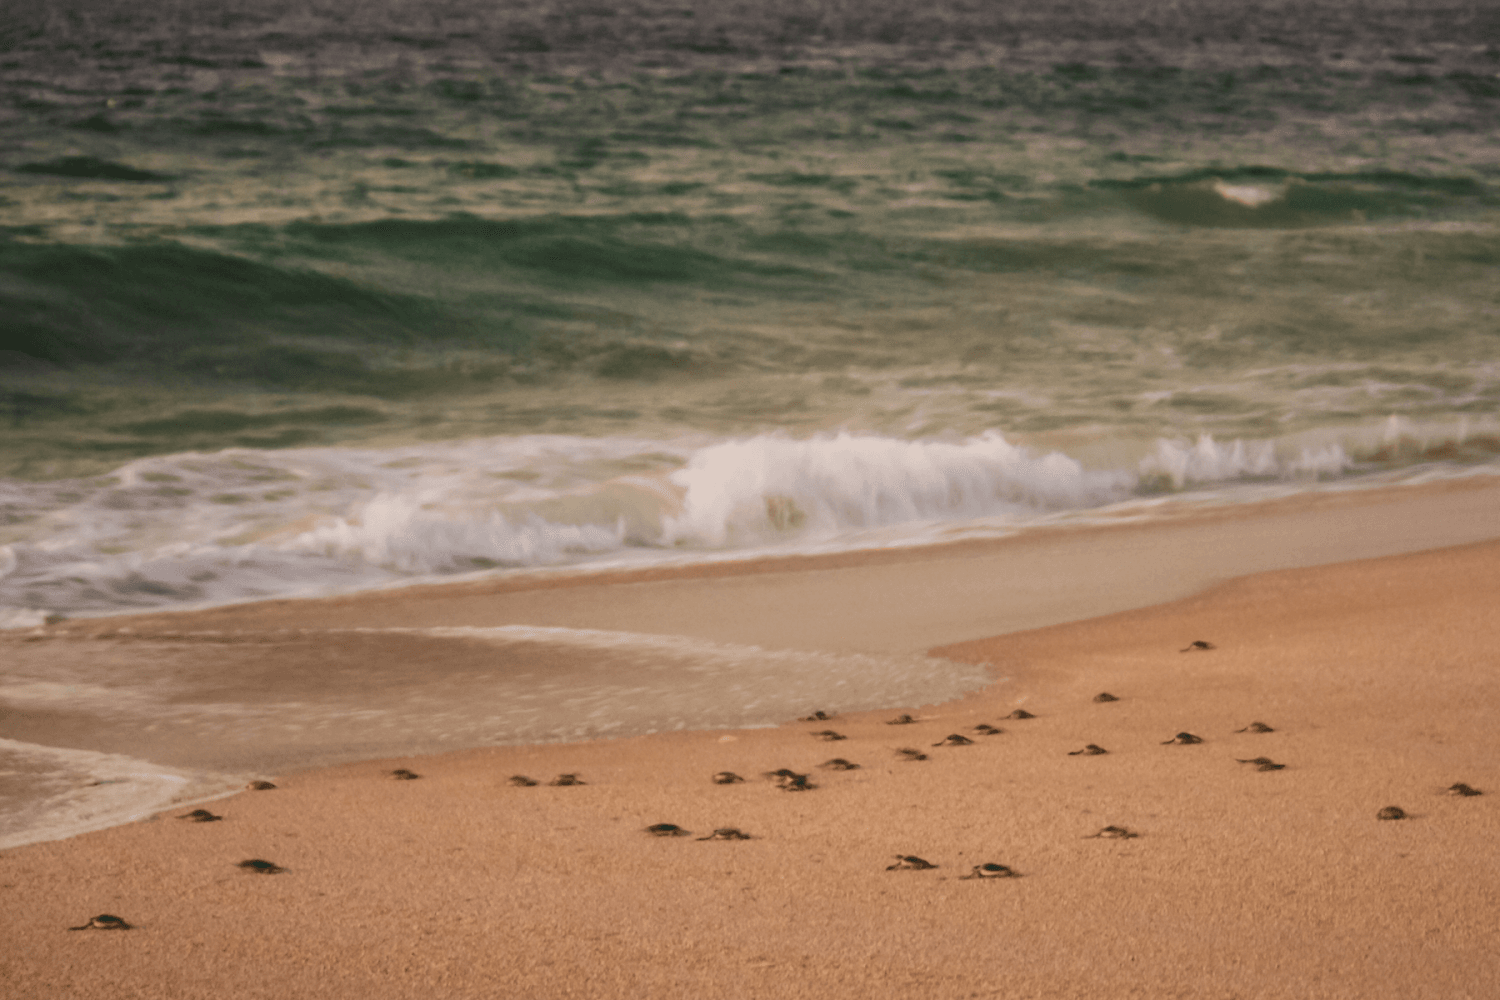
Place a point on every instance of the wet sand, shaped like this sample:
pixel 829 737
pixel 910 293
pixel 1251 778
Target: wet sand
pixel 1379 678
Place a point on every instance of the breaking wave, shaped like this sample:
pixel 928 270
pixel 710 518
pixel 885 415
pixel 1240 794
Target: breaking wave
pixel 170 531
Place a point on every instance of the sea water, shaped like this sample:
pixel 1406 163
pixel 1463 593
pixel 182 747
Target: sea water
pixel 297 303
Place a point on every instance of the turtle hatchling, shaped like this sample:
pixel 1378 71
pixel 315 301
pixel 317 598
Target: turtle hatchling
pixel 909 861
pixel 261 867
pixel 839 764
pixel 1112 833
pixel 667 830
pixel 402 774
pixel 992 871
pixel 901 720
pixel 726 833
pixel 1020 713
pixel 200 816
pixel 521 781
pixel 954 740
pixel 727 778
pixel 1182 739
pixel 1391 812
pixel 1093 749
pixel 1256 727
pixel 1104 696
pixel 909 754
pixel 103 922
pixel 1462 789
pixel 566 779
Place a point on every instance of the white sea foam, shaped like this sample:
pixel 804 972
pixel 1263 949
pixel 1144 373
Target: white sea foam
pixel 195 529
pixel 49 793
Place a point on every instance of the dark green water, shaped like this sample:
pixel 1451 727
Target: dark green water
pixel 253 225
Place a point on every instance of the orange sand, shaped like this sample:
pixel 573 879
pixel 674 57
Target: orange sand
pixel 1380 677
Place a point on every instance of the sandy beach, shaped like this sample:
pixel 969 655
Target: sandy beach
pixel 1376 675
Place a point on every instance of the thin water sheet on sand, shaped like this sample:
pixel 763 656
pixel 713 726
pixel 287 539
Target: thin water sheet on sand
pixel 1377 679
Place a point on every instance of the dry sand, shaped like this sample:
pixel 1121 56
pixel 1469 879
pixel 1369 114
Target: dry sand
pixel 1380 678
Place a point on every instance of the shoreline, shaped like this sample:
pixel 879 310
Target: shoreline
pixel 1309 529
pixel 1376 676
pixel 596 637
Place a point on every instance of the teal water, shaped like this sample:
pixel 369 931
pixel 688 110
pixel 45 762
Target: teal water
pixel 575 282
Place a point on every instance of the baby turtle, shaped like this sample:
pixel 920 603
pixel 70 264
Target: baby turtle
pixel 829 736
pixel 909 861
pixel 818 716
pixel 839 764
pixel 992 871
pixel 954 740
pixel 566 779
pixel 200 816
pixel 727 778
pixel 789 781
pixel 1020 713
pixel 1198 644
pixel 667 830
pixel 521 781
pixel 402 774
pixel 1104 696
pixel 1462 789
pixel 726 833
pixel 1183 739
pixel 901 720
pixel 1112 833
pixel 260 786
pixel 985 729
pixel 1256 727
pixel 103 922
pixel 910 754
pixel 1093 749
pixel 1391 812
pixel 261 867
pixel 1262 763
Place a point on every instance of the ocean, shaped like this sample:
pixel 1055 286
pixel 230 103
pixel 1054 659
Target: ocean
pixel 301 300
